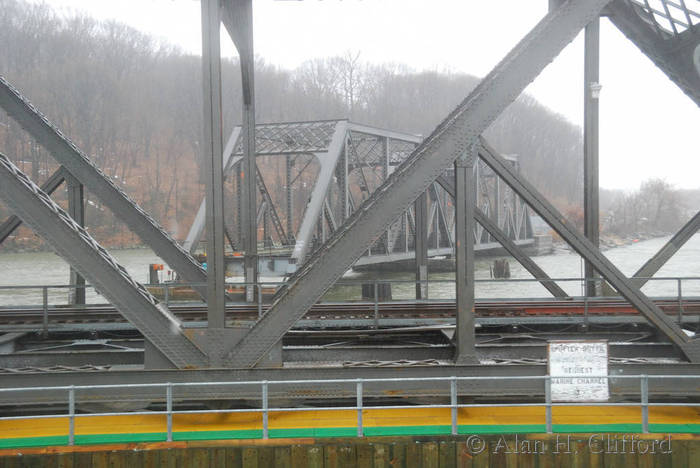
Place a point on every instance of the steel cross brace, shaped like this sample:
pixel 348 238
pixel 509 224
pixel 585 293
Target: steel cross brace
pixel 78 164
pixel 83 253
pixel 674 244
pixel 672 54
pixel 314 207
pixel 508 244
pixel 448 142
pixel 590 253
pixel 49 186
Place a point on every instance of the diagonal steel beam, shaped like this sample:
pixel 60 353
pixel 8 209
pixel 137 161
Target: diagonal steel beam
pixel 449 141
pixel 508 244
pixel 229 161
pixel 590 253
pixel 270 206
pixel 328 162
pixel 49 186
pixel 78 164
pixel 674 244
pixel 83 253
pixel 673 55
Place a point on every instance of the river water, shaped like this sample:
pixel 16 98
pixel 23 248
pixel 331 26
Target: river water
pixel 43 268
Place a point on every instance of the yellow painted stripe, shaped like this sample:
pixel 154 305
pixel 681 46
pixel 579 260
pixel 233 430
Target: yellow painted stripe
pixel 568 415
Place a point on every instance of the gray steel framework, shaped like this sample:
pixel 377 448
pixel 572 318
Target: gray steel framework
pixel 49 186
pixel 508 244
pixel 659 259
pixel 162 329
pixel 213 165
pixel 237 16
pixel 691 348
pixel 94 180
pixel 448 142
pixel 669 36
pixel 356 168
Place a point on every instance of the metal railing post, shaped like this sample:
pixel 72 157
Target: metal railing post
pixel 548 402
pixel 169 409
pixel 167 295
pixel 376 305
pixel 45 320
pixel 644 382
pixel 453 404
pixel 360 430
pixel 585 307
pixel 265 432
pixel 71 416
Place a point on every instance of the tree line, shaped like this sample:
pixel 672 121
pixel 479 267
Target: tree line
pixel 134 105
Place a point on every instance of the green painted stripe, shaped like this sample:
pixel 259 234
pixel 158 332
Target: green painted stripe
pixel 406 430
pixel 215 435
pixel 90 439
pixel 33 441
pixel 680 428
pixel 502 429
pixel 313 432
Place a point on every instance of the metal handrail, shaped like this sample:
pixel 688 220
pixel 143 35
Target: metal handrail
pixel 644 404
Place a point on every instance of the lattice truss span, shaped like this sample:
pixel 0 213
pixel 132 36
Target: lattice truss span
pixel 330 168
pixel 667 32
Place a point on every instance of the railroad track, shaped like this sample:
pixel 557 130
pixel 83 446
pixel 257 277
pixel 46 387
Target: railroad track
pixel 354 310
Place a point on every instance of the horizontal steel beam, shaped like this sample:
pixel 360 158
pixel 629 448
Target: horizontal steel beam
pixel 72 242
pixel 490 389
pixel 339 354
pixel 99 184
pixel 590 252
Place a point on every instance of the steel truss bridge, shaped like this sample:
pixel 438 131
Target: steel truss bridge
pixel 349 162
pixel 378 195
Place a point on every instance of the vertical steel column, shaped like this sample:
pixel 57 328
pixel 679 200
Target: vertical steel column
pixel 590 146
pixel 76 210
pixel 289 163
pixel 213 163
pixel 465 196
pixel 250 190
pixel 421 245
pixel 238 19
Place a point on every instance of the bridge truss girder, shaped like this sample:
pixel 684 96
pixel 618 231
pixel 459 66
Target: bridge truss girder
pixel 72 242
pixel 449 141
pixel 94 180
pixel 671 43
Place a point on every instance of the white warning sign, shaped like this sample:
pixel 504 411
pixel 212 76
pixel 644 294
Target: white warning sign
pixel 576 368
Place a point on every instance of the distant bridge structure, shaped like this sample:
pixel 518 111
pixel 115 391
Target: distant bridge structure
pixel 347 162
pixel 377 196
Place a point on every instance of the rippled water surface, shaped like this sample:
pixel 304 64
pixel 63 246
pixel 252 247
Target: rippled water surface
pixel 28 269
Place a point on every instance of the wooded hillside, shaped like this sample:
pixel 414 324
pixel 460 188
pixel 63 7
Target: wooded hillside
pixel 133 104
